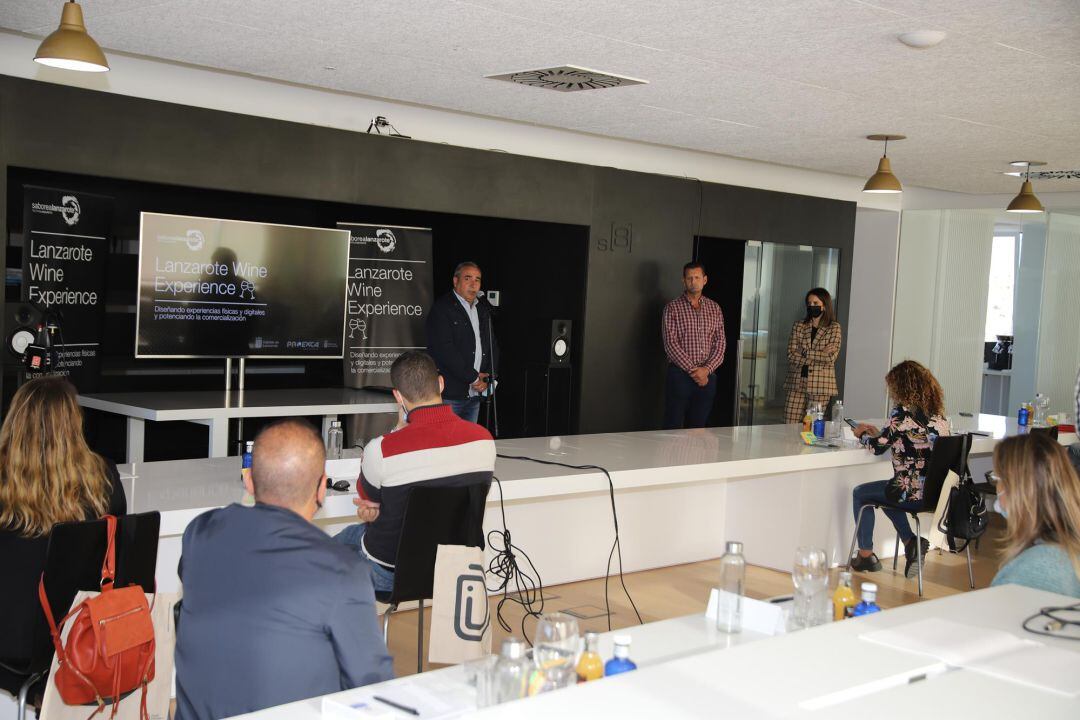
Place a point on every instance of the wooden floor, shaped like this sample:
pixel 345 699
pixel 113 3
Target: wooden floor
pixel 684 589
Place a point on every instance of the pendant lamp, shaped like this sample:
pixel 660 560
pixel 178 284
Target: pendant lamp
pixel 883 181
pixel 70 47
pixel 1025 201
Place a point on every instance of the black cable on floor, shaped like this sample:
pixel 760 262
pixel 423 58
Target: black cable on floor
pixel 616 547
pixel 529 588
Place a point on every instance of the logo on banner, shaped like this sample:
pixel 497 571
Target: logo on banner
pixel 383 239
pixel 471 617
pixel 194 239
pixel 69 209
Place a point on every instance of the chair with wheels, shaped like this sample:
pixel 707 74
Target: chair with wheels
pixel 433 516
pixel 950 453
pixel 73 559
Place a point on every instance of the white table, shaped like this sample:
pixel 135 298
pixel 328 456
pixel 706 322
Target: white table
pixel 776 676
pixel 215 408
pixel 680 495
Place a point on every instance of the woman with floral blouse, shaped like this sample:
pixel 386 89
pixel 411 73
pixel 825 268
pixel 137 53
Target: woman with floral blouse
pixel 915 423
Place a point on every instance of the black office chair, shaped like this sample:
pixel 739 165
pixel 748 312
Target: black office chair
pixel 73 562
pixel 433 516
pixel 950 453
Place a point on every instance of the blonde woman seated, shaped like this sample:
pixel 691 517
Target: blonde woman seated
pixel 1039 495
pixel 48 475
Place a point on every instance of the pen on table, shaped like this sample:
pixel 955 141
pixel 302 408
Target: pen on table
pixel 397 706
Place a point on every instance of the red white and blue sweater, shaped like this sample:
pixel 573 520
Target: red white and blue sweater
pixel 435 449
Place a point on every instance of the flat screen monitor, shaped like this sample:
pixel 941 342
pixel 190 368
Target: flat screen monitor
pixel 229 288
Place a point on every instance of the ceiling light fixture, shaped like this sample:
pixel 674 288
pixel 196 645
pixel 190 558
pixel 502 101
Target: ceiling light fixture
pixel 70 47
pixel 922 39
pixel 883 181
pixel 1025 201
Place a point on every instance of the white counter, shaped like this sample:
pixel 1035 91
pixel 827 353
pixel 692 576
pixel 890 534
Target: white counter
pixel 688 670
pixel 680 495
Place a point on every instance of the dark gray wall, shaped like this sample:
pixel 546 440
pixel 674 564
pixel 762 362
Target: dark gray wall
pixel 53 127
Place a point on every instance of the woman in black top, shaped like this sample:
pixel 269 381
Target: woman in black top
pixel 48 475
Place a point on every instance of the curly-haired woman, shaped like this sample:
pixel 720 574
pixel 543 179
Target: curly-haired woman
pixel 915 423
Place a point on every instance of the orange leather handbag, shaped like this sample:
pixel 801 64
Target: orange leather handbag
pixel 109 651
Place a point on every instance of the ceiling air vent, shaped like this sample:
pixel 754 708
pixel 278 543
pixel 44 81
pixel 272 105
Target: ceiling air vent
pixel 567 78
pixel 1048 174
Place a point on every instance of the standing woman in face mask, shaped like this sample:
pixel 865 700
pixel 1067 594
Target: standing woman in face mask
pixel 812 351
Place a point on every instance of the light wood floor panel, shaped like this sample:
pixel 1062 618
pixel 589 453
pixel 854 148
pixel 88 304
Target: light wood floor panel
pixel 684 589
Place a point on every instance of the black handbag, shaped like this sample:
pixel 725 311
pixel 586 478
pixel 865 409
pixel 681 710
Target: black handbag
pixel 965 517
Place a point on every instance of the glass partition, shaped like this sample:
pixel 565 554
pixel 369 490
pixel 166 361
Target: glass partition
pixel 775 281
pixel 989 302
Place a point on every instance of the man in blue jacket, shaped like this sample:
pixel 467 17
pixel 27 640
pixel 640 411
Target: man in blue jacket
pixel 460 339
pixel 274 610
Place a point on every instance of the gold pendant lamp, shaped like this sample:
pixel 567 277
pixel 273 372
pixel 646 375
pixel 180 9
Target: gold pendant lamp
pixel 1025 201
pixel 70 47
pixel 883 181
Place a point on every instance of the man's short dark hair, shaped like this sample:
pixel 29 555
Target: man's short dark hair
pixel 693 265
pixel 462 265
pixel 415 376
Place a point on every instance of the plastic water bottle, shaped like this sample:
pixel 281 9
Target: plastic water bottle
pixel 621 662
pixel 819 424
pixel 334 440
pixel 869 601
pixel 245 460
pixel 732 580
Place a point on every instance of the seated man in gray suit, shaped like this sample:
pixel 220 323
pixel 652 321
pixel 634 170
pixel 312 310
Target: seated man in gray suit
pixel 274 610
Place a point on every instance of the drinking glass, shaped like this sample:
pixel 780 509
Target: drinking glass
pixel 811 578
pixel 557 641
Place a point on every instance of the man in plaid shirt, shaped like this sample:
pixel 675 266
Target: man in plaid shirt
pixel 694 342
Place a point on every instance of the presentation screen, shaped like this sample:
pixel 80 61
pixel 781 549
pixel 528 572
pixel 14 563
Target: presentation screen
pixel 227 288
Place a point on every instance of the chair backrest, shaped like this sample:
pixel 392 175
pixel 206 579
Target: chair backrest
pixel 435 516
pixel 73 562
pixel 950 453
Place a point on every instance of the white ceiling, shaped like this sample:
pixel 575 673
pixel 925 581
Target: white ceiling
pixel 795 82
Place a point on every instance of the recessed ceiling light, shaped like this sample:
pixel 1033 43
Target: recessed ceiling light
pixel 328 67
pixel 922 39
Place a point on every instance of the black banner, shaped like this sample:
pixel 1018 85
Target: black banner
pixel 390 294
pixel 65 250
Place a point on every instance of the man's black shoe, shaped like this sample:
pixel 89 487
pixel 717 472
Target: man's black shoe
pixel 911 566
pixel 869 563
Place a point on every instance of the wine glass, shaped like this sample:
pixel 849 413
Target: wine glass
pixel 556 642
pixel 811 578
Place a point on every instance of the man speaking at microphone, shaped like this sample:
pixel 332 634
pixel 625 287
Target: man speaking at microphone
pixel 461 341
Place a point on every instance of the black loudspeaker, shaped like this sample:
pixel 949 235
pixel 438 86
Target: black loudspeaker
pixel 20 328
pixel 560 342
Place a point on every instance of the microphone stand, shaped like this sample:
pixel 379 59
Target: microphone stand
pixel 491 413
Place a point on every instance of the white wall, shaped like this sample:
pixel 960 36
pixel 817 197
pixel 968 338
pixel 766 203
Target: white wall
pixel 943 276
pixel 870 316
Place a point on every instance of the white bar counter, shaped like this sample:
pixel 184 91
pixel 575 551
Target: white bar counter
pixel 214 408
pixel 679 494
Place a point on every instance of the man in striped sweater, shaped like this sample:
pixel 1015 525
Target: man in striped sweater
pixel 431 447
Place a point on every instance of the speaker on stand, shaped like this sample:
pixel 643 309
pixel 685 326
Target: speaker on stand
pixel 548 380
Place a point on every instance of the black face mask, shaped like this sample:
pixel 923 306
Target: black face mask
pixel 813 311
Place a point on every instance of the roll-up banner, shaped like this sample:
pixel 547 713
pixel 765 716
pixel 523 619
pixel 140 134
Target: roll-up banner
pixel 65 249
pixel 390 294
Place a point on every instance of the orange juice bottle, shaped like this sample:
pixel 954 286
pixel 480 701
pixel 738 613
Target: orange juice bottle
pixel 844 597
pixel 591 665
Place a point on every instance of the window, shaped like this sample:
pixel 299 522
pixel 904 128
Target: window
pixel 999 297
